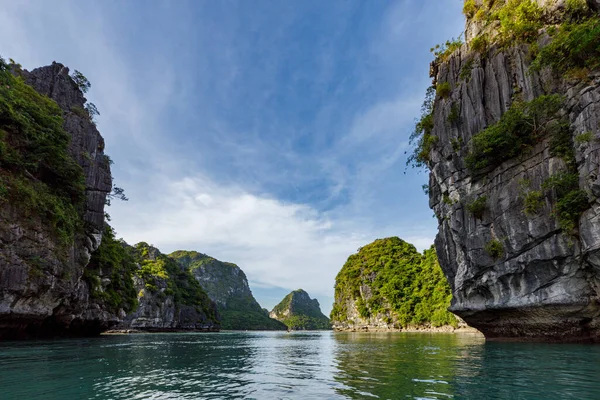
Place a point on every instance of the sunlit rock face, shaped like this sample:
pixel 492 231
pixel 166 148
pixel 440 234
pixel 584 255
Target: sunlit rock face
pixel 544 284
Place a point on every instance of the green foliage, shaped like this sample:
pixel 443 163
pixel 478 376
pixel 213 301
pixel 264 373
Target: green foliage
pixel 444 51
pixel 406 285
pixel 520 20
pixel 239 311
pixel 115 262
pixel 470 8
pixel 571 201
pixel 495 249
pixel 577 9
pixel 156 269
pixel 574 46
pixel 454 115
pixel 81 81
pixel 443 90
pixel 477 207
pixel 533 201
pixel 479 44
pixel 422 138
pixel 561 142
pixel 467 69
pixel 516 131
pixel 585 137
pixel 36 169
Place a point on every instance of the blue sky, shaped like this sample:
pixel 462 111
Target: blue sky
pixel 271 134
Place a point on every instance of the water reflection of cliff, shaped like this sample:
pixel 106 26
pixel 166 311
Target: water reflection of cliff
pixel 391 366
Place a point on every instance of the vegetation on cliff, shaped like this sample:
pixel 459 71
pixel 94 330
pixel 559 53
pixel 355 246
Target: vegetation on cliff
pixel 226 284
pixel 390 279
pixel 112 259
pixel 299 312
pixel 36 171
pixel 181 284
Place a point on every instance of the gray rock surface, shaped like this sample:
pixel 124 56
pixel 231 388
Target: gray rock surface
pixel 158 309
pixel 546 285
pixel 41 290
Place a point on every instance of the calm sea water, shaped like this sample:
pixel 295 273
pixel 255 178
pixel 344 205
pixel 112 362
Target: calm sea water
pixel 319 365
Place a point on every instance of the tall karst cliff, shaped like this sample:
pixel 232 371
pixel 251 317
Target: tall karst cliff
pixel 54 179
pixel 389 285
pixel 227 285
pixel 511 135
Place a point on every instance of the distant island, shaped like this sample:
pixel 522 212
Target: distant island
pixel 299 312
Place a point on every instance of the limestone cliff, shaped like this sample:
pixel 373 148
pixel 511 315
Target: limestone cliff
pixel 389 285
pixel 299 312
pixel 169 297
pixel 54 179
pixel 512 143
pixel 226 285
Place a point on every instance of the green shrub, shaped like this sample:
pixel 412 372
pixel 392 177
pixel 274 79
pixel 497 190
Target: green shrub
pixel 520 20
pixel 533 202
pixel 585 137
pixel 470 8
pixel 443 90
pixel 569 208
pixel 518 128
pixel 479 44
pixel 456 143
pixel 561 142
pixel 574 46
pixel 466 70
pixel 571 201
pixel 454 115
pixel 576 9
pixel 444 51
pixel 477 207
pixel 494 249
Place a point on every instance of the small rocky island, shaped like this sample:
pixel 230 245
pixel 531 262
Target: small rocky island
pixel 299 312
pixel 389 286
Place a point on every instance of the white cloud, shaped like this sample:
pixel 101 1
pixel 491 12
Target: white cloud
pixel 277 244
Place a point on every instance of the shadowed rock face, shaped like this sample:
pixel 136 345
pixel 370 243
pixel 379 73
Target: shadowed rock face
pixel 52 299
pixel 546 284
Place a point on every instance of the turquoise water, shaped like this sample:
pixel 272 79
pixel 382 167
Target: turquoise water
pixel 319 365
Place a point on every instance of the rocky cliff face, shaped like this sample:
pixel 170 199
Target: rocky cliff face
pixel 520 247
pixel 389 285
pixel 299 312
pixel 41 286
pixel 169 298
pixel 226 285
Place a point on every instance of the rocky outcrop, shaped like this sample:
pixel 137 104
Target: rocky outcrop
pixel 227 285
pixel 299 312
pixel 169 298
pixel 389 286
pixel 41 290
pixel 516 275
